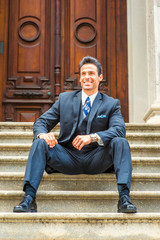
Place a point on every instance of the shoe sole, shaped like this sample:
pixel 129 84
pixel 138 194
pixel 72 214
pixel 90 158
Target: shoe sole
pixel 127 211
pixel 20 211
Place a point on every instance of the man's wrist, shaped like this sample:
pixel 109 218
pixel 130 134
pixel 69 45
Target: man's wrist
pixel 38 136
pixel 94 137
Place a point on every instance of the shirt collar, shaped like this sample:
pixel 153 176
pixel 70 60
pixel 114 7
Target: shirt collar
pixel 92 97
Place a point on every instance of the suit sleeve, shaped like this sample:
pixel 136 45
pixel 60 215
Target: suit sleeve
pixel 116 125
pixel 47 121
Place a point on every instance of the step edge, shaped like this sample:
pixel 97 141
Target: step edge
pixel 79 217
pixel 81 194
pixel 61 176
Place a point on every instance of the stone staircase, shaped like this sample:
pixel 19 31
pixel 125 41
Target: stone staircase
pixel 80 206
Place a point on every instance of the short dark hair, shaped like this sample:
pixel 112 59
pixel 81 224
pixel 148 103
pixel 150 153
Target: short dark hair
pixel 91 60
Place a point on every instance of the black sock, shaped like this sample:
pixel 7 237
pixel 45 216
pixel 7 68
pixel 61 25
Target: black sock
pixel 123 190
pixel 29 190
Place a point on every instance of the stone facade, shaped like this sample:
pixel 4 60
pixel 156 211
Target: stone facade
pixel 144 60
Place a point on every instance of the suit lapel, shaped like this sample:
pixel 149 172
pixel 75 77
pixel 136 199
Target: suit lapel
pixel 96 104
pixel 76 110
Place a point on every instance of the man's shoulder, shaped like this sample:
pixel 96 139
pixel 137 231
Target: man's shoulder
pixel 105 97
pixel 69 94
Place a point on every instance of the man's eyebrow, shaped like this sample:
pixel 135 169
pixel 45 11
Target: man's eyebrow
pixel 88 71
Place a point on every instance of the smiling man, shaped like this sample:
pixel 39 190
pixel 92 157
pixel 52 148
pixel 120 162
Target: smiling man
pixel 91 140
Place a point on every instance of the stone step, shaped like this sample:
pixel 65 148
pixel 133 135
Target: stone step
pixel 19 127
pixel 140 164
pixel 80 226
pixel 13 163
pixel 28 126
pixel 142 128
pixel 16 126
pixel 27 137
pixel 81 201
pixel 149 150
pixel 143 138
pixel 99 182
pixel 18 137
pixel 23 149
pixel 13 149
pixel 146 164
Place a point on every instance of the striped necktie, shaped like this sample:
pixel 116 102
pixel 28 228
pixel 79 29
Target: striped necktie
pixel 87 107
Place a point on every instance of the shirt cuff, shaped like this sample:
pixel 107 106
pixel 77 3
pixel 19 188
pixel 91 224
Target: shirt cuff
pixel 38 135
pixel 100 142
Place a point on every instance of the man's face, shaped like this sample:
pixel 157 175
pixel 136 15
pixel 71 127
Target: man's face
pixel 89 78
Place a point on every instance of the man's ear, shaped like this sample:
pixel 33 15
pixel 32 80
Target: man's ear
pixel 101 77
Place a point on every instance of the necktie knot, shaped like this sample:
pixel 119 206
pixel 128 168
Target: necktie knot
pixel 87 106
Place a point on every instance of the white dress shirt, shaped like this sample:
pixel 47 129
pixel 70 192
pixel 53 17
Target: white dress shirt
pixel 84 97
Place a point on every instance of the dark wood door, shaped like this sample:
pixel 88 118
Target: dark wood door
pixel 46 41
pixel 29 86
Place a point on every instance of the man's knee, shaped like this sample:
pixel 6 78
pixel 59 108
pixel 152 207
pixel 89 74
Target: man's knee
pixel 119 142
pixel 39 141
pixel 39 144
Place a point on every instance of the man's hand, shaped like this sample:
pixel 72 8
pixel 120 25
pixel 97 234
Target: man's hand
pixel 81 140
pixel 49 138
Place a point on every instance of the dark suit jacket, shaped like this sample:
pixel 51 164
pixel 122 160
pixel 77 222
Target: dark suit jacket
pixel 105 117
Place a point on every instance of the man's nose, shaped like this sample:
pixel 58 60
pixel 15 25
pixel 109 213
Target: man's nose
pixel 87 75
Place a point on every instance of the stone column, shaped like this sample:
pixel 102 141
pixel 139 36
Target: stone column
pixel 153 49
pixel 137 60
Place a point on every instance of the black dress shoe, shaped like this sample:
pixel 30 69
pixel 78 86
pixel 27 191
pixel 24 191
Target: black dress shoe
pixel 125 205
pixel 28 204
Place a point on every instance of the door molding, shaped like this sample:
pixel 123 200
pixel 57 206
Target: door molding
pixel 4 11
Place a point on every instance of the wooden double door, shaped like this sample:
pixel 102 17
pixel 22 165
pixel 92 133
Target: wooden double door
pixel 42 42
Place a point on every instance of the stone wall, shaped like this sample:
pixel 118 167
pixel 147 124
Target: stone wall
pixel 144 60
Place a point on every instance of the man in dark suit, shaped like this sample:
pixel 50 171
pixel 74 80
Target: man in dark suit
pixel 91 140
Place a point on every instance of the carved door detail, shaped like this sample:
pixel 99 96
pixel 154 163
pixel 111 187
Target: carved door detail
pixel 87 36
pixel 46 41
pixel 28 86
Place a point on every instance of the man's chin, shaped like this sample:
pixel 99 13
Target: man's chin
pixel 87 89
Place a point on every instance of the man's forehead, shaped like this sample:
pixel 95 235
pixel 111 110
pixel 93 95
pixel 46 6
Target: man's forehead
pixel 89 67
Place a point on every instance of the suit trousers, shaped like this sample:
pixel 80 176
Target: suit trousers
pixel 69 160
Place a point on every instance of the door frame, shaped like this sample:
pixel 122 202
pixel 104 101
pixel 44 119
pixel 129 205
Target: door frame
pixel 4 11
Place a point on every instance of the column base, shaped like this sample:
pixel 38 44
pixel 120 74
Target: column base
pixel 153 114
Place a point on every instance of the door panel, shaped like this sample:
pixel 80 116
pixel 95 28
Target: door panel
pixel 85 35
pixel 28 85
